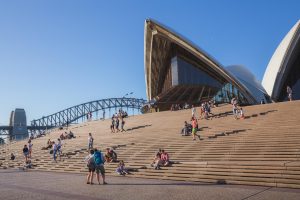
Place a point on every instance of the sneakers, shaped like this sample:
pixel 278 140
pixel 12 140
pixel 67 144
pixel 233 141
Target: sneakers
pixel 104 183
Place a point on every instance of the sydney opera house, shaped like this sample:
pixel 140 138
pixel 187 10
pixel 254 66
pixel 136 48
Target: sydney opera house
pixel 177 71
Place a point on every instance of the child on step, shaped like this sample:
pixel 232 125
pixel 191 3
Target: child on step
pixel 121 170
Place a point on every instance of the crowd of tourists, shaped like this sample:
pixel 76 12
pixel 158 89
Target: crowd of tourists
pixel 96 159
pixel 175 107
pixel 205 112
pixel 65 135
pixel 237 110
pixel 116 120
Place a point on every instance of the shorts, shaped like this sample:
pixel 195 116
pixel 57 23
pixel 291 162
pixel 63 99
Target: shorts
pixel 194 130
pixel 91 169
pixel 26 154
pixel 100 169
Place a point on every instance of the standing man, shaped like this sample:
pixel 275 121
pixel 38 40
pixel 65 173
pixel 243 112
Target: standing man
pixel 54 146
pixel 122 124
pixel 99 163
pixel 103 117
pixel 289 92
pixel 90 141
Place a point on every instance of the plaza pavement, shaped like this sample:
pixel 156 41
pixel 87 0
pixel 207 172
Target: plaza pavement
pixel 33 185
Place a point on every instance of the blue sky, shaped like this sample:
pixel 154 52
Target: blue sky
pixel 59 53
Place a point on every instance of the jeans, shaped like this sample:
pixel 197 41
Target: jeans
pixel 54 154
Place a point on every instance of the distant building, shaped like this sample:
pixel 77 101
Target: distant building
pixel 19 124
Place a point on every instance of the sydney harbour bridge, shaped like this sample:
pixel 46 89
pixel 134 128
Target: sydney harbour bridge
pixel 18 128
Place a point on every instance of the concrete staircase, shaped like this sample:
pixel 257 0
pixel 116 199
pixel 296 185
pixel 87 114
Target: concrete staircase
pixel 263 149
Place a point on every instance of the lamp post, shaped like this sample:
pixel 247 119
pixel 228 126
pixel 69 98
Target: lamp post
pixel 127 94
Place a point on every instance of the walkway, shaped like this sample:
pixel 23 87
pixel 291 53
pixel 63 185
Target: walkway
pixel 35 185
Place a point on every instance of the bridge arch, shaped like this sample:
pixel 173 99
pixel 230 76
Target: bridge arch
pixel 72 114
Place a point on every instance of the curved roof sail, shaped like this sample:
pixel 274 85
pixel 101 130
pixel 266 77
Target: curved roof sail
pixel 281 61
pixel 159 41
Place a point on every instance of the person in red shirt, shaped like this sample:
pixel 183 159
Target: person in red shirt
pixel 165 158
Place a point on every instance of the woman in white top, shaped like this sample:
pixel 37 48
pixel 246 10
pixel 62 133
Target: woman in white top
pixel 193 111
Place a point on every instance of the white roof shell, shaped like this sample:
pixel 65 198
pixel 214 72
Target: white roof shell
pixel 276 68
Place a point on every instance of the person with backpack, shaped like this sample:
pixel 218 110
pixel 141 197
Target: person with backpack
pixel 90 163
pixel 99 165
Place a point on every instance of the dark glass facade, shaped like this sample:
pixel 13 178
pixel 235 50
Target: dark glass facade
pixel 248 80
pixel 186 82
pixel 292 80
pixel 184 73
pixel 227 92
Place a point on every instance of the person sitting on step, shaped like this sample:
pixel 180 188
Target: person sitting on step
pixel 164 158
pixel 157 162
pixel 70 135
pixel 27 165
pixel 48 146
pixel 121 170
pixel 187 129
pixel 111 155
pixel 62 137
pixel 12 156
